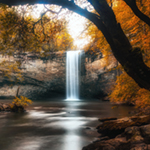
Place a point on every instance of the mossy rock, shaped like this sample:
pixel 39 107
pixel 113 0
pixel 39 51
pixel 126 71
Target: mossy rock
pixel 16 108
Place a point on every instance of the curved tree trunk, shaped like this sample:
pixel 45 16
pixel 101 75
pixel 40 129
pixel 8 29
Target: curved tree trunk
pixel 137 12
pixel 130 58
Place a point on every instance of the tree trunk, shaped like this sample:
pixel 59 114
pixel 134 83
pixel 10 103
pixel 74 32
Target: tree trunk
pixel 130 58
pixel 137 12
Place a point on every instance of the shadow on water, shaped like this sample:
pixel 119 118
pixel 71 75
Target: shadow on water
pixel 57 125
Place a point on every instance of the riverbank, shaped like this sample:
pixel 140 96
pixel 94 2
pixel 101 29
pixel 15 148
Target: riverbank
pixel 128 133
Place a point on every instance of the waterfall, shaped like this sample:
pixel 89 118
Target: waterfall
pixel 72 74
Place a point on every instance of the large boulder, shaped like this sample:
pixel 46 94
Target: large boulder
pixel 129 133
pixel 145 131
pixel 111 144
pixel 131 139
pixel 114 127
pixel 133 135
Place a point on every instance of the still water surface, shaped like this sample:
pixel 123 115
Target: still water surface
pixel 55 125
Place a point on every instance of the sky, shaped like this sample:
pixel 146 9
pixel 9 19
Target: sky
pixel 76 25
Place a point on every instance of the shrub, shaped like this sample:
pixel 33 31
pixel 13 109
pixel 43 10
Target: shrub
pixel 127 91
pixel 18 104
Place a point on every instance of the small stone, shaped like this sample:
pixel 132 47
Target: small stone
pixel 87 128
pixel 6 106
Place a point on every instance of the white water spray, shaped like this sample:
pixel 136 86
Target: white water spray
pixel 72 74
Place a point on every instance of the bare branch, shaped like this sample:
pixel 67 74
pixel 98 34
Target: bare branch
pixel 54 12
pixel 84 30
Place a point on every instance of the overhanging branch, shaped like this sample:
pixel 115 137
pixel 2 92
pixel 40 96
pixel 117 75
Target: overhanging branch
pixel 71 6
pixel 137 12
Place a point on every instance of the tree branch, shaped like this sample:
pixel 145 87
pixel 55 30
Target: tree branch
pixel 137 12
pixel 24 2
pixel 73 7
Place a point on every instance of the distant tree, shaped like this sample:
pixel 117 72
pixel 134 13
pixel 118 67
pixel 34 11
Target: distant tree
pixel 98 46
pixel 22 34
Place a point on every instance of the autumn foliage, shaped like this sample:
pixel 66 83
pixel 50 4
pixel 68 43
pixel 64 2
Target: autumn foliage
pixel 22 101
pixel 126 90
pixel 23 34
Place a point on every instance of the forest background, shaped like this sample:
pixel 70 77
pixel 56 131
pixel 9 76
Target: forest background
pixel 24 34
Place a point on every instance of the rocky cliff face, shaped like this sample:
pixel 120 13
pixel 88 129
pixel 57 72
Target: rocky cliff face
pixel 47 78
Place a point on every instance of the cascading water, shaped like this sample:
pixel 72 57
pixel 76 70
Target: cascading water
pixel 72 74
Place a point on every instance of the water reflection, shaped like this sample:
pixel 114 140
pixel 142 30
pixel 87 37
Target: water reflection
pixel 72 142
pixel 42 114
pixel 30 143
pixel 54 126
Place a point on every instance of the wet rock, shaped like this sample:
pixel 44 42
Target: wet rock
pixel 131 139
pixel 103 138
pixel 134 134
pixel 96 140
pixel 144 111
pixel 115 127
pixel 145 131
pixel 107 119
pixel 87 128
pixel 141 146
pixel 111 144
pixel 6 107
pixel 132 131
pixel 16 108
pixel 133 112
pixel 11 107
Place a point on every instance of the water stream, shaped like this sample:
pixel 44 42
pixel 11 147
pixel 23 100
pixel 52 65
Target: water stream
pixel 55 125
pixel 72 74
